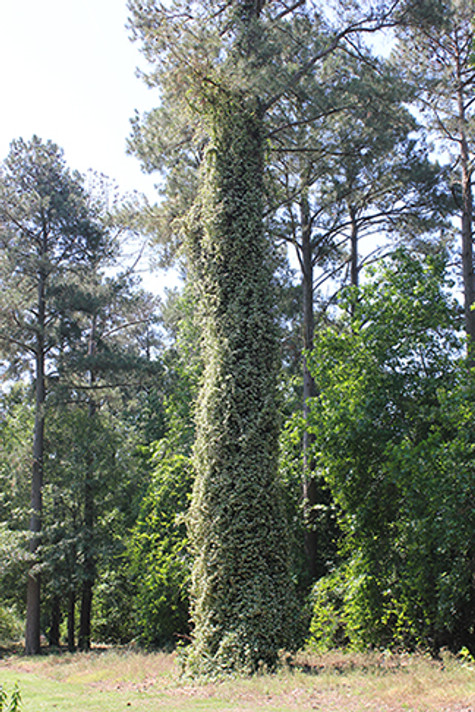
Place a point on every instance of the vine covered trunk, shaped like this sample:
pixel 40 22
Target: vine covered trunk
pixel 241 590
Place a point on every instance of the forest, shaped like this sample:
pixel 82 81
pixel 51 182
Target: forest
pixel 278 453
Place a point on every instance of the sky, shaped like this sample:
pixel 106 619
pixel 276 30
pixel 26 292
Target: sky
pixel 68 75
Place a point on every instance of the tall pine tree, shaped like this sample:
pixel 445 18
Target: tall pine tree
pixel 435 51
pixel 46 233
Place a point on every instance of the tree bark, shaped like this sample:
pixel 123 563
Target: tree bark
pixel 310 485
pixel 33 595
pixel 354 257
pixel 71 621
pixel 467 226
pixel 54 637
pixel 84 641
pixel 89 566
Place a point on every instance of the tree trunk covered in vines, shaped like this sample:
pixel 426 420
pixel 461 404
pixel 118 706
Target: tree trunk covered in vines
pixel 241 588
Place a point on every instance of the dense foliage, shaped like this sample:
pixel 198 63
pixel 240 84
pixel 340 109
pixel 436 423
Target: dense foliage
pixel 393 425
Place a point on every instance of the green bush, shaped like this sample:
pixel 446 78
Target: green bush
pixel 112 622
pixel 159 562
pixel 393 428
pixel 328 624
pixel 11 625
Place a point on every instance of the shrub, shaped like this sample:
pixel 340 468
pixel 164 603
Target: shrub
pixel 11 625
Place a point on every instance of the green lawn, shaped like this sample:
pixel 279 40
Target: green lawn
pixel 119 681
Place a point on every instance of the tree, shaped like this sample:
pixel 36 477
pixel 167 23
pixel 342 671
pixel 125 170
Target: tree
pixel 99 451
pixel 393 439
pixel 158 551
pixel 435 50
pixel 240 580
pixel 117 320
pixel 16 427
pixel 347 167
pixel 107 362
pixel 231 64
pixel 46 233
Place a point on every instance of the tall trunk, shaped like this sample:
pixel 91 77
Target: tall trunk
pixel 467 207
pixel 310 485
pixel 32 634
pixel 467 238
pixel 54 636
pixel 243 603
pixel 84 638
pixel 467 261
pixel 89 565
pixel 71 620
pixel 241 588
pixel 354 257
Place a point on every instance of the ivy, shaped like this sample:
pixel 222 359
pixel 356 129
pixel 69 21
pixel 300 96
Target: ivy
pixel 242 597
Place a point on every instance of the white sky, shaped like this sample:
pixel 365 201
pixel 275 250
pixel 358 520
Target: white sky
pixel 68 74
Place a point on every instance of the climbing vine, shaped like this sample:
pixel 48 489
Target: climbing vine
pixel 241 589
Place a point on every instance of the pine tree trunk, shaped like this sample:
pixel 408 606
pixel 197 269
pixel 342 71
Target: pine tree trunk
pixel 467 220
pixel 467 233
pixel 310 485
pixel 32 635
pixel 467 254
pixel 84 639
pixel 54 637
pixel 88 572
pixel 354 257
pixel 89 561
pixel 71 621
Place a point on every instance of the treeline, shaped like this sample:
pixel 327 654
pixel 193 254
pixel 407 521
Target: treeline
pixel 282 453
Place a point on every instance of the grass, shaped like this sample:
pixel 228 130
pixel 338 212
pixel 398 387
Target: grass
pixel 120 681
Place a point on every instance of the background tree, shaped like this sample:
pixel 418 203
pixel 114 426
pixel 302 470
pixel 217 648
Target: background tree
pixel 435 49
pixel 47 233
pixel 397 463
pixel 159 537
pixel 16 427
pixel 108 361
pixel 347 167
pixel 75 554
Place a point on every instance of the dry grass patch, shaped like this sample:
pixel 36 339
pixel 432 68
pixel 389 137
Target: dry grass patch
pixel 106 668
pixel 114 680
